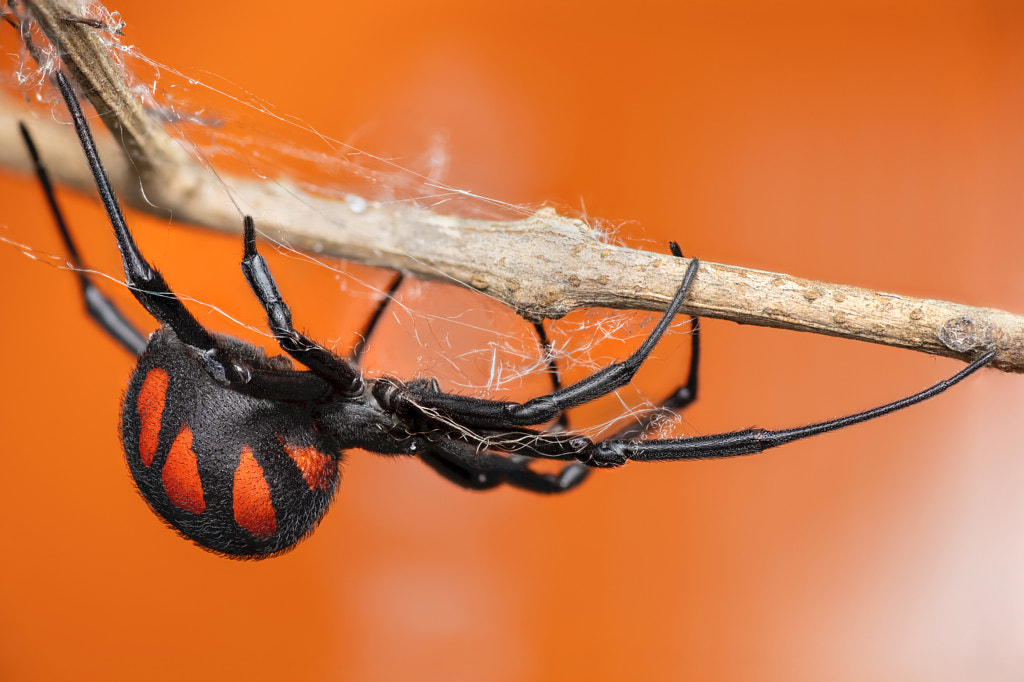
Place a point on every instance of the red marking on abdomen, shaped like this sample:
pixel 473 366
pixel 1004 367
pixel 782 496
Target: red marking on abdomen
pixel 254 511
pixel 181 474
pixel 316 467
pixel 150 407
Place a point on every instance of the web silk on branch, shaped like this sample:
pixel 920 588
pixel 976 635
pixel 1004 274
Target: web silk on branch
pixel 472 342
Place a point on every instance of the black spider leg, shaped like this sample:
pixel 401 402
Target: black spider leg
pixel 477 413
pixel 562 423
pixel 100 308
pixel 337 371
pixel 480 460
pixel 146 283
pixel 751 441
pixel 466 466
pixel 685 395
pixel 471 465
pixel 359 349
pixel 483 470
pixel 458 461
pixel 150 289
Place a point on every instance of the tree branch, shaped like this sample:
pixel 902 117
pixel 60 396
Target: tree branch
pixel 544 265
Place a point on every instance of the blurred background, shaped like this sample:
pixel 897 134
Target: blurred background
pixel 871 143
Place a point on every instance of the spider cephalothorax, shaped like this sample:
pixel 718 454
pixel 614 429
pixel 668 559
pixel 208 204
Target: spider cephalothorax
pixel 239 451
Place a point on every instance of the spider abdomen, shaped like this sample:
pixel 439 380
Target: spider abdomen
pixel 240 475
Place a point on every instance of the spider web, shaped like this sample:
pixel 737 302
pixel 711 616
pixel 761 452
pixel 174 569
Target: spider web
pixel 473 344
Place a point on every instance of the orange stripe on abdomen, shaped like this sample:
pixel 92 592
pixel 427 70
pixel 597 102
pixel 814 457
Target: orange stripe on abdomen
pixel 316 467
pixel 150 406
pixel 181 474
pixel 254 510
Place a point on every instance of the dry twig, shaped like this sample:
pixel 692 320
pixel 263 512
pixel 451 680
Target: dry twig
pixel 544 265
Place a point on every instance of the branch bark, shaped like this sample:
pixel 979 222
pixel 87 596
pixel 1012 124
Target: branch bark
pixel 544 265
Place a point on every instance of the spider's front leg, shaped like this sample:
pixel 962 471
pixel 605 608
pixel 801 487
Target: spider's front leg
pixel 478 413
pixel 612 453
pixel 144 281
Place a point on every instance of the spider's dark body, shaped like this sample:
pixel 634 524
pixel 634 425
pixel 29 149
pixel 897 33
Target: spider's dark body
pixel 239 451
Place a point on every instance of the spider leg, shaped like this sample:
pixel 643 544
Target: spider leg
pixel 462 464
pixel 339 372
pixel 455 472
pixel 679 400
pixel 146 283
pixel 562 423
pixel 479 413
pixel 100 308
pixel 152 291
pixel 360 348
pixel 750 441
pixel 683 396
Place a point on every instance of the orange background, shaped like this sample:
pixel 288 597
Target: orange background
pixel 859 142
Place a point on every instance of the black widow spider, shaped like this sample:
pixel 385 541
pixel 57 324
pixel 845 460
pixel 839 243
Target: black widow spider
pixel 239 452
